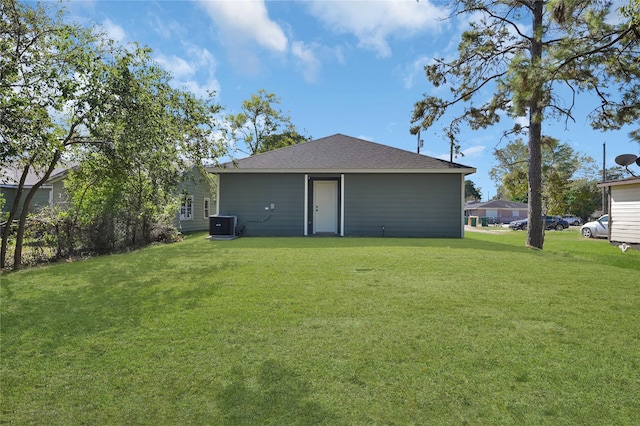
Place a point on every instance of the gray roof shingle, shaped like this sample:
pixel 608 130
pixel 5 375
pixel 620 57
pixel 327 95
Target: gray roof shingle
pixel 343 153
pixel 496 204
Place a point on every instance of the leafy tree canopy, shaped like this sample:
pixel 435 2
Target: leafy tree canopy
pixel 261 126
pixel 536 57
pixel 471 192
pixel 70 93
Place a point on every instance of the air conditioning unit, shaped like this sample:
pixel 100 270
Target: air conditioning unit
pixel 222 226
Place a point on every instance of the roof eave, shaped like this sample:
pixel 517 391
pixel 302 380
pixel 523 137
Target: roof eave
pixel 464 171
pixel 627 181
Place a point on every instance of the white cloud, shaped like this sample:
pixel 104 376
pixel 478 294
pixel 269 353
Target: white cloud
pixel 307 60
pixel 414 71
pixel 114 31
pixel 242 22
pixel 188 73
pixel 200 90
pixel 374 22
pixel 178 67
pixel 474 151
pixel 167 29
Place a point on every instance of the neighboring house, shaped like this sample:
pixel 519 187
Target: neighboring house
pixel 624 210
pixel 195 199
pixel 196 203
pixel 193 215
pixel 501 211
pixel 340 185
pixel 9 179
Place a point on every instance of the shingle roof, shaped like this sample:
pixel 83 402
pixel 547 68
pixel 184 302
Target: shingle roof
pixel 10 176
pixel 343 153
pixel 496 204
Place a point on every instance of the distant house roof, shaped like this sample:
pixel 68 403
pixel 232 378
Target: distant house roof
pixel 10 176
pixel 497 204
pixel 626 181
pixel 342 153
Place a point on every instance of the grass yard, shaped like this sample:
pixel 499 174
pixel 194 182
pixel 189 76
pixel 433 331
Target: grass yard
pixel 328 331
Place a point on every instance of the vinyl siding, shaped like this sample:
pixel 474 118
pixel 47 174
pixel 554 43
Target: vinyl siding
pixel 39 200
pixel 625 213
pixel 60 195
pixel 406 205
pixel 193 184
pixel 247 195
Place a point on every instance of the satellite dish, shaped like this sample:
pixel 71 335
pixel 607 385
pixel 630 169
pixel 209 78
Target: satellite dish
pixel 626 159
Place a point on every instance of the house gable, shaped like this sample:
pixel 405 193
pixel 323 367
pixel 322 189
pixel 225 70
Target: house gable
pixel 373 190
pixel 340 153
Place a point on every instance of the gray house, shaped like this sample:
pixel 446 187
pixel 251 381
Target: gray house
pixel 9 179
pixel 195 202
pixel 340 185
pixel 195 207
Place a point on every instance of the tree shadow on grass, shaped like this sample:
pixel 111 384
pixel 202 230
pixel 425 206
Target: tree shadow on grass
pixel 276 395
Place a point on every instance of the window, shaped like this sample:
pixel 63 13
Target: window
pixel 206 208
pixel 186 208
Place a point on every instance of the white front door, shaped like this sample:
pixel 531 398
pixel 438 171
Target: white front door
pixel 325 206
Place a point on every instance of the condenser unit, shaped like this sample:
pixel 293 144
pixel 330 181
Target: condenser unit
pixel 222 226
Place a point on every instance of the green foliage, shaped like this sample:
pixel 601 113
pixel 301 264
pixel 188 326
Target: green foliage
pixel 527 54
pixel 69 93
pixel 261 126
pixel 560 166
pixel 471 192
pixel 282 140
pixel 583 198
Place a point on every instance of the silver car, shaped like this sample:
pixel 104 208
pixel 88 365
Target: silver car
pixel 597 228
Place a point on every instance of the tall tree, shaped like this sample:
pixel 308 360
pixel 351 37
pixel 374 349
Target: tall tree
pixel 45 71
pixel 471 192
pixel 261 126
pixel 559 164
pixel 68 91
pixel 150 138
pixel 532 53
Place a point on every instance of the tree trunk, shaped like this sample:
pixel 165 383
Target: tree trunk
pixel 12 215
pixel 535 227
pixel 17 257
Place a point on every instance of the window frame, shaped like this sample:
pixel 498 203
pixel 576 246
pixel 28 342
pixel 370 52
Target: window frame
pixel 186 207
pixel 206 207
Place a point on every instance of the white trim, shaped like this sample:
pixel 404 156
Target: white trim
pixel 462 210
pixel 306 204
pixel 464 171
pixel 188 203
pixel 341 200
pixel 218 195
pixel 206 207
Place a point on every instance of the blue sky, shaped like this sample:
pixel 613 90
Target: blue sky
pixel 350 67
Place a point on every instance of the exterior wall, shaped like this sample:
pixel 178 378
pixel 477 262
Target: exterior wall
pixel 40 199
pixel 500 215
pixel 193 184
pixel 625 213
pixel 60 197
pixel 247 195
pixel 406 205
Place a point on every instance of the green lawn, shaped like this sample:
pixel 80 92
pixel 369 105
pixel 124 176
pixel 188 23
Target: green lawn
pixel 338 331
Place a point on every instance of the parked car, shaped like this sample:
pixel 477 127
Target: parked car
pixel 550 222
pixel 572 220
pixel 597 228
